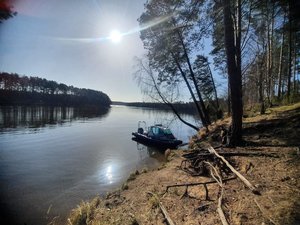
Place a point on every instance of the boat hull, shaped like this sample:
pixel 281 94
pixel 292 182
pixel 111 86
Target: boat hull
pixel 158 143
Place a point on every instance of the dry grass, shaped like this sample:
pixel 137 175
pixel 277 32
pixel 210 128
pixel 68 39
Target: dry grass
pixel 273 113
pixel 84 213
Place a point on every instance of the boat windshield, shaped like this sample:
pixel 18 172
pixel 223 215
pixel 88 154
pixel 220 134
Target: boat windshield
pixel 160 131
pixel 167 131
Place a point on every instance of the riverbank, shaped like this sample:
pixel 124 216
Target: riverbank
pixel 276 178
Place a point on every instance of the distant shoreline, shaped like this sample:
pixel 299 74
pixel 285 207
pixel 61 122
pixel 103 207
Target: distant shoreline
pixel 23 90
pixel 23 98
pixel 188 108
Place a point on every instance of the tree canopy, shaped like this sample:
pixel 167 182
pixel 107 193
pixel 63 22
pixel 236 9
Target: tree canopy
pixel 6 11
pixel 256 46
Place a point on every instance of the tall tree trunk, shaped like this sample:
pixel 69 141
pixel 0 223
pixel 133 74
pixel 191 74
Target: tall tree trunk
pixel 268 64
pixel 202 105
pixel 271 81
pixel 228 98
pixel 167 102
pixel 294 70
pixel 214 86
pixel 290 55
pixel 238 35
pixel 260 89
pixel 280 63
pixel 234 75
pixel 204 122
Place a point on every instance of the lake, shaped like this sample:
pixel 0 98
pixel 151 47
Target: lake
pixel 52 158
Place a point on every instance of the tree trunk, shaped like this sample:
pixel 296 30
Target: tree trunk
pixel 228 98
pixel 269 65
pixel 294 71
pixel 260 90
pixel 271 80
pixel 214 86
pixel 149 72
pixel 290 56
pixel 202 106
pixel 190 90
pixel 280 63
pixel 234 75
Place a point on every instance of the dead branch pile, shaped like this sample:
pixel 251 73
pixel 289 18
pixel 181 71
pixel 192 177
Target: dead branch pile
pixel 194 163
pixel 209 162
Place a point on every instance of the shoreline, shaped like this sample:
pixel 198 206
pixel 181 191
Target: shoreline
pixel 132 204
pixel 277 179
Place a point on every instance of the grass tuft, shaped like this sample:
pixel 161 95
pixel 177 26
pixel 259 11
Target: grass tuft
pixel 124 186
pixel 81 215
pixel 131 177
pixel 154 202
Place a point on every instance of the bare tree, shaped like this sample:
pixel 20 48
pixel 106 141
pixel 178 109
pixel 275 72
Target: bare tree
pixel 147 81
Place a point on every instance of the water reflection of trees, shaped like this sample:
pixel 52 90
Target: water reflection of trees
pixel 168 118
pixel 41 116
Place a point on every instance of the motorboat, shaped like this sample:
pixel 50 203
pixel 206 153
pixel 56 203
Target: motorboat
pixel 157 136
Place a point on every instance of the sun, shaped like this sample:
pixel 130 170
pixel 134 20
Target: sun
pixel 115 36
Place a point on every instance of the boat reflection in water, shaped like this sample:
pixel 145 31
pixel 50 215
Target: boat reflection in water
pixel 146 151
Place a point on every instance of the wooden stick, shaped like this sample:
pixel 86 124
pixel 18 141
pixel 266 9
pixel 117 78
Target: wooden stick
pixel 263 213
pixel 263 154
pixel 246 154
pixel 220 211
pixel 206 192
pixel 163 209
pixel 166 214
pixel 198 183
pixel 215 175
pixel 242 178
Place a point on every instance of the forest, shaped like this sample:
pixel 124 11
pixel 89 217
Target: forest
pixel 255 47
pixel 15 89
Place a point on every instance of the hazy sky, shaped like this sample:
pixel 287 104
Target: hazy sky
pixel 64 40
pixel 67 41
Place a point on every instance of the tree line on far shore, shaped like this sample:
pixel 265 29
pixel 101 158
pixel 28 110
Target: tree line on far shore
pixel 16 89
pixel 181 107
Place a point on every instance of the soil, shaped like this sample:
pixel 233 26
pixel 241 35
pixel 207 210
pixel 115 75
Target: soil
pixel 276 178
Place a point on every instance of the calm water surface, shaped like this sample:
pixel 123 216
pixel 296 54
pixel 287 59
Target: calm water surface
pixel 53 158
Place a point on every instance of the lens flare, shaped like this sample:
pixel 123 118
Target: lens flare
pixel 116 36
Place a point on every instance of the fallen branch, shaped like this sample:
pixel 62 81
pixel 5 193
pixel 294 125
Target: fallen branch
pixel 242 178
pixel 204 206
pixel 198 183
pixel 228 154
pixel 195 184
pixel 163 209
pixel 263 213
pixel 216 176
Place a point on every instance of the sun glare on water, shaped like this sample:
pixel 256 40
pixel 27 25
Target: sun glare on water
pixel 115 36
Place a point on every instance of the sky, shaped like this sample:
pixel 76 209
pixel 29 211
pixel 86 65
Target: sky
pixel 67 41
